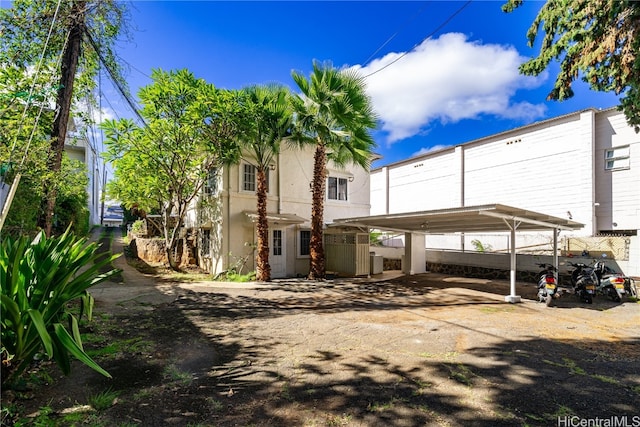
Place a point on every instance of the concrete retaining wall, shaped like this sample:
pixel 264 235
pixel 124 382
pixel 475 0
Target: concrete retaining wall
pixel 487 265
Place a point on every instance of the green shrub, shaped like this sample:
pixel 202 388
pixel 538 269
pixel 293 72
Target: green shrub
pixel 39 279
pixel 139 228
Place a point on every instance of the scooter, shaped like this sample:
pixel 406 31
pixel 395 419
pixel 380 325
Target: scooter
pixel 548 284
pixel 611 283
pixel 584 282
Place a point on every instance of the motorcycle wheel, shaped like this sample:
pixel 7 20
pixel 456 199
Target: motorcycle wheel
pixel 548 300
pixel 613 294
pixel 633 291
pixel 588 299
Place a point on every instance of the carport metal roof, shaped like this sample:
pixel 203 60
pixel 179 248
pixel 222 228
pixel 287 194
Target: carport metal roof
pixel 467 219
pixel 470 219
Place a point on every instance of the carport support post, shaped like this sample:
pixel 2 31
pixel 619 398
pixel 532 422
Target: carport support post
pixel 415 258
pixel 513 298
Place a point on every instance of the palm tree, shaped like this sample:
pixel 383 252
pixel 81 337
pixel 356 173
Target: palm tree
pixel 268 122
pixel 333 113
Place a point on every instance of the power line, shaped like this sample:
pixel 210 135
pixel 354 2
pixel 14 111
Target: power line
pixel 115 80
pixel 423 40
pixel 402 27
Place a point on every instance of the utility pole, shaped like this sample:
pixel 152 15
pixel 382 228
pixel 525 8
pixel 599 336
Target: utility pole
pixel 69 66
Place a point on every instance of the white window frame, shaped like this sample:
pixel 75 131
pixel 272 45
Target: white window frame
pixel 617 158
pixel 299 237
pixel 244 174
pixel 338 181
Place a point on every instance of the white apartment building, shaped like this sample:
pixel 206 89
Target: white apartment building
pixel 583 166
pixel 78 147
pixel 226 214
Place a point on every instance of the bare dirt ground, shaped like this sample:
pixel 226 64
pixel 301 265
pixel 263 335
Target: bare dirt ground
pixel 422 350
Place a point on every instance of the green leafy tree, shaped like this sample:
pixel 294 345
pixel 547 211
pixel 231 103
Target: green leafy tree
pixel 72 38
pixel 25 123
pixel 598 40
pixel 334 114
pixel 40 279
pixel 190 129
pixel 268 122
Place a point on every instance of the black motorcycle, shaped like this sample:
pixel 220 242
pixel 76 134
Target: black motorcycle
pixel 584 282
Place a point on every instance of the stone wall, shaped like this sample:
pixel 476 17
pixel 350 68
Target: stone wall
pixel 148 250
pixel 152 250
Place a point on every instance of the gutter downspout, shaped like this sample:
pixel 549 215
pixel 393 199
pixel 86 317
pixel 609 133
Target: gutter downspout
pixel 461 152
pixel 386 185
pixel 278 177
pixel 227 225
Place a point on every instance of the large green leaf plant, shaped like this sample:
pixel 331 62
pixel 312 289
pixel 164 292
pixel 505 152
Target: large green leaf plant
pixel 40 279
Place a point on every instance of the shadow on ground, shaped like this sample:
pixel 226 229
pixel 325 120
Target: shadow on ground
pixel 407 352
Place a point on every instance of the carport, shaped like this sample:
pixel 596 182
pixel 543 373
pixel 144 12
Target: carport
pixel 466 219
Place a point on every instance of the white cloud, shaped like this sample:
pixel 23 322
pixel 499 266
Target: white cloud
pixel 447 79
pixel 430 149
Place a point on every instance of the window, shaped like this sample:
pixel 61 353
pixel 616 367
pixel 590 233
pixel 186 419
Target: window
pixel 250 177
pixel 277 242
pixel 337 188
pixel 304 243
pixel 211 184
pixel 206 242
pixel 616 158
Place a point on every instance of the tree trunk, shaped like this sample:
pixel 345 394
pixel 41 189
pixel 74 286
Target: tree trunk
pixel 170 239
pixel 263 269
pixel 316 247
pixel 69 66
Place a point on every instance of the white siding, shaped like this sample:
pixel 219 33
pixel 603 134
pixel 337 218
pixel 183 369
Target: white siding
pixel 425 183
pixel 555 167
pixel 618 190
pixel 545 169
pixel 379 193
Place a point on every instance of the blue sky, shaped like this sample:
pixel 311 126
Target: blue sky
pixel 439 73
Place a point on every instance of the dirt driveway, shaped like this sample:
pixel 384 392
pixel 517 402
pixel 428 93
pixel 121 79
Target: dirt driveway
pixel 423 350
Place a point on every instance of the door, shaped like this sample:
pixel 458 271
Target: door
pixel 277 253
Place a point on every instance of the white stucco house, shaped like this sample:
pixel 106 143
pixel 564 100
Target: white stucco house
pixel 583 166
pixel 225 215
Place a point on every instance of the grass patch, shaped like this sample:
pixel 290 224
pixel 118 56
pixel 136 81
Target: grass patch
pixel 461 374
pixel 119 347
pixel 104 352
pixel 568 363
pixel 239 278
pixel 380 407
pixel 575 369
pixel 605 379
pixel 339 420
pixel 103 400
pixel 216 405
pixel 173 374
pixel 143 394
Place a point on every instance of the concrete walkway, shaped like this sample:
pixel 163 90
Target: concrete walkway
pixel 136 291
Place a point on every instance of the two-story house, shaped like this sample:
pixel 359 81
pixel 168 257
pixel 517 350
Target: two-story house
pixel 225 216
pixel 583 166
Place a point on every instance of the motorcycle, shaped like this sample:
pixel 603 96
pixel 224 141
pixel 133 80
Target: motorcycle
pixel 548 284
pixel 584 282
pixel 613 284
